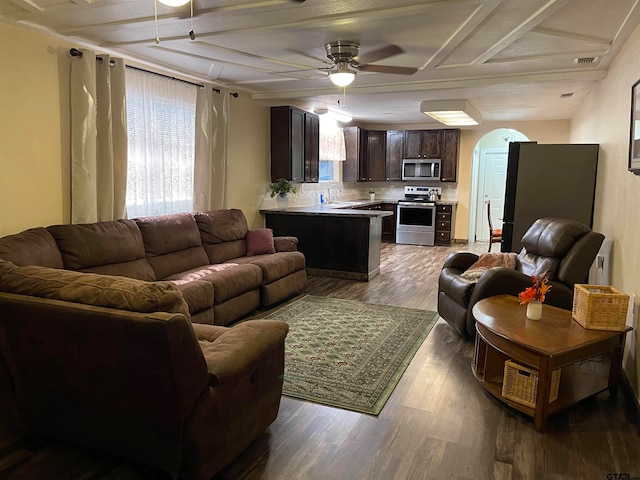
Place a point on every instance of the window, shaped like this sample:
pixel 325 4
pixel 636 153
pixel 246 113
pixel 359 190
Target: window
pixel 332 149
pixel 161 147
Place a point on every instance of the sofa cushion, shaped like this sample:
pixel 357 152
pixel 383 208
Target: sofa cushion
pixel 260 241
pixel 172 243
pixel 35 246
pixel 93 289
pixel 109 248
pixel 229 280
pixel 223 234
pixel 197 293
pixel 276 265
pixel 219 226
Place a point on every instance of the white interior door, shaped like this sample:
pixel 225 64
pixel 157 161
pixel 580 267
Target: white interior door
pixel 492 176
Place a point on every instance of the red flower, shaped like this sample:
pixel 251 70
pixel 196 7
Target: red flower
pixel 537 291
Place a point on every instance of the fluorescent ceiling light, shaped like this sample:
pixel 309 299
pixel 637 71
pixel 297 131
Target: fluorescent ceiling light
pixel 451 112
pixel 342 76
pixel 174 3
pixel 340 117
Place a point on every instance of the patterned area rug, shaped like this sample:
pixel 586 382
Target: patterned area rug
pixel 349 354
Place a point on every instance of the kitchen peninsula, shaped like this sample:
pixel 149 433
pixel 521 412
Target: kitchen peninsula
pixel 336 242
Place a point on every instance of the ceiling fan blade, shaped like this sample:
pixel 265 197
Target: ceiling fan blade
pixel 321 69
pixel 380 54
pixel 388 69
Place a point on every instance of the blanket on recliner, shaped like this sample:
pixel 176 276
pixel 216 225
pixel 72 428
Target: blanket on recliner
pixel 487 261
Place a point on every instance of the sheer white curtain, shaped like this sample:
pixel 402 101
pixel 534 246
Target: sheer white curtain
pixel 161 121
pixel 332 146
pixel 98 138
pixel 212 111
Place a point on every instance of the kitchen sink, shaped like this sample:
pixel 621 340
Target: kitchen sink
pixel 344 204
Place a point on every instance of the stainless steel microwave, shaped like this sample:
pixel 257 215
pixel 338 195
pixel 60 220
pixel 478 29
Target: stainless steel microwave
pixel 421 169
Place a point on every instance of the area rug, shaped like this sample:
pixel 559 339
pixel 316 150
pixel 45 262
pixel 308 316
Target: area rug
pixel 349 354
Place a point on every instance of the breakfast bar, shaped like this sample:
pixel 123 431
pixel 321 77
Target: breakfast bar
pixel 336 242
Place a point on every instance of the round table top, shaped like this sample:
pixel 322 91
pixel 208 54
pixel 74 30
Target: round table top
pixel 555 333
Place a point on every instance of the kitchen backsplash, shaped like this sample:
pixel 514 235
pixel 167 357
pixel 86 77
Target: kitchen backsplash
pixel 309 193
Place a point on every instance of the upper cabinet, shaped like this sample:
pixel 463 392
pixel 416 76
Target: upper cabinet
pixel 395 142
pixel 422 143
pixel 376 155
pixel 449 154
pixel 375 166
pixel 295 141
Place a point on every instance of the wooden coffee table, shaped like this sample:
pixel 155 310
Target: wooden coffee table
pixel 591 360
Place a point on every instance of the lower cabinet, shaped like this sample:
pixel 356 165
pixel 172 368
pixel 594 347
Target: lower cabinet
pixel 389 223
pixel 444 222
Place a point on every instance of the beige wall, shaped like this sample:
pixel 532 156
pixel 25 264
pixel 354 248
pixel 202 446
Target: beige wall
pixel 249 170
pixel 604 118
pixel 34 126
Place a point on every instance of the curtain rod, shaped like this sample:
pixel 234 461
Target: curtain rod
pixel 74 52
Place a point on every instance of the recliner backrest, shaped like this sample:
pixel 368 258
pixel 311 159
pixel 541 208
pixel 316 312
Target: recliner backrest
pixel 557 246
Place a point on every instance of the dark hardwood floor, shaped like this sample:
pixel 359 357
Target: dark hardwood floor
pixel 438 424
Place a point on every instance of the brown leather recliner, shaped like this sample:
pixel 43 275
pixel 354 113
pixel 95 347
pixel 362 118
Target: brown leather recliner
pixel 564 248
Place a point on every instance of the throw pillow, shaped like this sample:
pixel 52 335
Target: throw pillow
pixel 260 241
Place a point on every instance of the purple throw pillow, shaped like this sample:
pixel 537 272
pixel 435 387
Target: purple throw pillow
pixel 260 241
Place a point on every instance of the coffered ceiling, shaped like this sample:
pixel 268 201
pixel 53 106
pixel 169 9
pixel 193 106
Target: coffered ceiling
pixel 511 59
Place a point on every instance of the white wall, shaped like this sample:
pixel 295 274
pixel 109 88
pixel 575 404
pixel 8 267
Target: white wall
pixel 604 118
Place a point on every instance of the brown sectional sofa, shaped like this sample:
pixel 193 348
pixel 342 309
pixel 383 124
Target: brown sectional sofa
pixel 106 337
pixel 204 254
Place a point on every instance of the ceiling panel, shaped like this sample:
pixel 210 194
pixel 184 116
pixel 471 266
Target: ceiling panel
pixel 512 59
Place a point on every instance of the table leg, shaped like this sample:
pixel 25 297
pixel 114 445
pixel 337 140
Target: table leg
pixel 615 369
pixel 542 396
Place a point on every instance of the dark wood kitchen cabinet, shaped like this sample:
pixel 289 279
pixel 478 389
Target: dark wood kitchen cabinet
pixel 444 221
pixel 366 155
pixel 355 143
pixel 312 148
pixel 422 143
pixel 389 223
pixel 395 145
pixel 449 157
pixel 295 141
pixel 375 164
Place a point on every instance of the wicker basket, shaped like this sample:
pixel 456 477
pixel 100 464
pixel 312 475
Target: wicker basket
pixel 600 307
pixel 520 384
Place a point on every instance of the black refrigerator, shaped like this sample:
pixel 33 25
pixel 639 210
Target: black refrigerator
pixel 547 180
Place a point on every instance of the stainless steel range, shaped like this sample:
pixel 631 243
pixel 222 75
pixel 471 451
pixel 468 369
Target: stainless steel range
pixel 416 216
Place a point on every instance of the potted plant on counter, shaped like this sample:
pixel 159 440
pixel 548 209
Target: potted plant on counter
pixel 282 187
pixel 372 195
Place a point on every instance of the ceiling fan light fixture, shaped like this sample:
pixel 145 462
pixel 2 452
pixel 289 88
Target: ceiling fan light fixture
pixel 174 3
pixel 342 76
pixel 458 113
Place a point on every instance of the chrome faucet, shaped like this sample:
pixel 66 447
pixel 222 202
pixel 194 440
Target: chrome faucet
pixel 331 198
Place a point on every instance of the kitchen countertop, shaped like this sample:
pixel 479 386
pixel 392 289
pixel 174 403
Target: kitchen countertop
pixel 327 210
pixel 344 208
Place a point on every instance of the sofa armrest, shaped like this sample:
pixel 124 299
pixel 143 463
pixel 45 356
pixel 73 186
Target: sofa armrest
pixel 285 244
pixel 240 348
pixel 460 260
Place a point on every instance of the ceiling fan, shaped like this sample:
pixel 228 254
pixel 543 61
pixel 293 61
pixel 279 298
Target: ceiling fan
pixel 347 61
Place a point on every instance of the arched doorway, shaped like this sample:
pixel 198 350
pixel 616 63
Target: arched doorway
pixel 488 176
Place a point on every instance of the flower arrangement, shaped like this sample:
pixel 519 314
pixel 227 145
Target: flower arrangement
pixel 282 186
pixel 537 291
